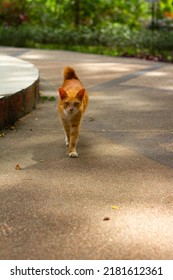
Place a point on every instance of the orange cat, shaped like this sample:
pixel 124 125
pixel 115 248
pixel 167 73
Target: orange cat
pixel 73 100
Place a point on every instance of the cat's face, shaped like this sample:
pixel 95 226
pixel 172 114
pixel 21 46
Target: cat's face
pixel 71 105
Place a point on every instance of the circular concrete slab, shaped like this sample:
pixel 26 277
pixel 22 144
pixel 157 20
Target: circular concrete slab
pixel 16 75
pixel 18 89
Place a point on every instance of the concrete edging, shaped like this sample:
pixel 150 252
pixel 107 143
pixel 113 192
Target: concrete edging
pixel 19 89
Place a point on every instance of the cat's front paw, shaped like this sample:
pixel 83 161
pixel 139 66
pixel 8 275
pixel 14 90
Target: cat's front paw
pixel 73 154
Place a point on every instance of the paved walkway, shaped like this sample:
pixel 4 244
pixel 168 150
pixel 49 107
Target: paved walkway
pixel 54 207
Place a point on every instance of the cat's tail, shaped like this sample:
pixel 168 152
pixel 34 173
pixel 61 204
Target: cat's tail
pixel 69 73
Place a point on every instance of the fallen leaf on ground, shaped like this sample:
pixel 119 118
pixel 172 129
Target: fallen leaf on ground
pixel 91 119
pixel 12 127
pixel 2 134
pixel 106 219
pixel 18 167
pixel 115 207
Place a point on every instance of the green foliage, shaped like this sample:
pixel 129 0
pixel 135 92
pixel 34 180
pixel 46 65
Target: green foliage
pixel 53 13
pixel 166 5
pixel 72 13
pixel 12 12
pixel 116 39
pixel 115 27
pixel 47 98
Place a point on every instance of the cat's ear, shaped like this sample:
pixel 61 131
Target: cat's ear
pixel 80 94
pixel 62 93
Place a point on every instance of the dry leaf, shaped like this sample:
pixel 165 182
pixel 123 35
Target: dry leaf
pixel 91 119
pixel 115 207
pixel 2 134
pixel 12 127
pixel 106 219
pixel 18 167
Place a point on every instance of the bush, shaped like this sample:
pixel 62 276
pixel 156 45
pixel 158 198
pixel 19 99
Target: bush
pixel 12 12
pixel 113 38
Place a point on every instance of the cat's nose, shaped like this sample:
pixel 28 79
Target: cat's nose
pixel 71 109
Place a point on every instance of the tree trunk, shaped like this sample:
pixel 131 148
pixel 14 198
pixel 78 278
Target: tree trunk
pixel 77 13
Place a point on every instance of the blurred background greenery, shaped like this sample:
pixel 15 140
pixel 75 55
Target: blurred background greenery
pixel 140 28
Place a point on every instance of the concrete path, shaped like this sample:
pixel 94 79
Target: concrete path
pixel 116 200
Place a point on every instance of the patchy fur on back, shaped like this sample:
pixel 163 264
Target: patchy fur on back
pixel 73 100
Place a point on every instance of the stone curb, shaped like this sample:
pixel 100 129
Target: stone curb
pixel 19 89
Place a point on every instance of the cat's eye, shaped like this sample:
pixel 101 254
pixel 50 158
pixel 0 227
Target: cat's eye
pixel 76 103
pixel 66 103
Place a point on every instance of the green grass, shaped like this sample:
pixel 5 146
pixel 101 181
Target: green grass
pixel 47 98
